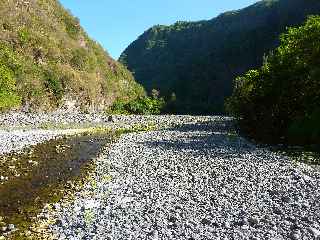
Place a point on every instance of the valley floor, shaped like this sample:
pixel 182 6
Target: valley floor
pixel 194 180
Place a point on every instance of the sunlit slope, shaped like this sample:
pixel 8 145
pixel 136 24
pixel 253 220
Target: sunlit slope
pixel 47 61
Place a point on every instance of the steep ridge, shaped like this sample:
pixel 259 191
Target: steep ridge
pixel 197 61
pixel 47 61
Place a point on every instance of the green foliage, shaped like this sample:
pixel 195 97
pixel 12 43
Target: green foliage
pixel 141 105
pixel 9 58
pixel 72 25
pixel 83 60
pixel 49 56
pixel 8 95
pixel 9 65
pixel 306 130
pixel 24 35
pixel 89 217
pixel 79 58
pixel 54 84
pixel 281 100
pixel 199 60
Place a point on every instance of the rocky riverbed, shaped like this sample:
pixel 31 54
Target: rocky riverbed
pixel 194 179
pixel 20 130
pixel 41 155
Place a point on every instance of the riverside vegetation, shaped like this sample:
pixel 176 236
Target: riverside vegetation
pixel 47 60
pixel 281 100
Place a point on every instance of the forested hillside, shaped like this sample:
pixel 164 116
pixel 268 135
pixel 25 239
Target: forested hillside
pixel 193 64
pixel 47 61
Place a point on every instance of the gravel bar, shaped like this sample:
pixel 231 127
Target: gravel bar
pixel 17 140
pixel 19 130
pixel 195 180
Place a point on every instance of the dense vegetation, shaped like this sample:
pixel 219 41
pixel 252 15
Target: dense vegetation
pixel 142 106
pixel 46 58
pixel 197 61
pixel 281 100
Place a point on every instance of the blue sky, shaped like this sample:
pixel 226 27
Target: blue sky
pixel 116 23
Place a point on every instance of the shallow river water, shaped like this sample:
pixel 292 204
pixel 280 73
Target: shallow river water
pixel 42 173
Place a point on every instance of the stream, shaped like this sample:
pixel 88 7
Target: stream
pixel 42 174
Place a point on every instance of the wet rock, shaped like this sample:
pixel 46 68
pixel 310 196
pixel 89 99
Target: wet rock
pixel 286 199
pixel 56 206
pixel 243 222
pixel 255 238
pixel 295 236
pixel 110 119
pixel 227 225
pixel 11 227
pixel 278 210
pixel 206 221
pixel 254 221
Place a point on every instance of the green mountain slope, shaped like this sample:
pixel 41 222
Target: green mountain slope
pixel 48 61
pixel 199 60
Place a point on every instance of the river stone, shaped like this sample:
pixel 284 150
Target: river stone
pixel 194 164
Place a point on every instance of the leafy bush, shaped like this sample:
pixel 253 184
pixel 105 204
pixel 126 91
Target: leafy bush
pixel 24 35
pixel 8 95
pixel 281 100
pixel 53 84
pixel 141 105
pixel 305 130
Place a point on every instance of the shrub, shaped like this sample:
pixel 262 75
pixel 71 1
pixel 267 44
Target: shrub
pixel 281 100
pixel 306 129
pixel 53 84
pixel 10 59
pixel 24 35
pixel 83 60
pixel 79 58
pixel 8 95
pixel 141 105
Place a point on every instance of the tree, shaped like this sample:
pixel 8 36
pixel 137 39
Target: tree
pixel 281 100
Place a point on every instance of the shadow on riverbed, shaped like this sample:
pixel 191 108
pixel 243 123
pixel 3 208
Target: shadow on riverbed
pixel 226 125
pixel 220 135
pixel 39 175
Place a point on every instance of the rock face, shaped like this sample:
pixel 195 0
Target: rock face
pixel 194 181
pixel 199 60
